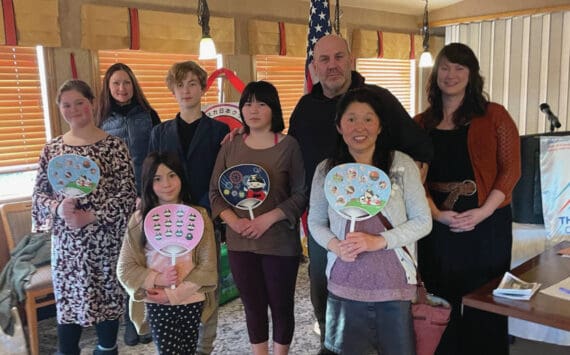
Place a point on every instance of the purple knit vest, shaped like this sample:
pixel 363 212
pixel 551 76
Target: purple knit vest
pixel 375 276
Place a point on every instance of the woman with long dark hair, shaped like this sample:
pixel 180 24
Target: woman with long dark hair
pixel 125 112
pixel 470 180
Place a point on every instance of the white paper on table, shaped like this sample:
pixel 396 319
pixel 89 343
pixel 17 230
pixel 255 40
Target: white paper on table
pixel 558 289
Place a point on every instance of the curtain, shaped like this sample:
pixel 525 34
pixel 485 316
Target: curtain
pixel 525 61
pixel 108 27
pixel 36 22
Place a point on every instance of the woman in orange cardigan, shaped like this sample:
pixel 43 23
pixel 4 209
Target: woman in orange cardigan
pixel 470 180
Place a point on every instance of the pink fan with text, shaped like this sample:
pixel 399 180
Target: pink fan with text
pixel 173 229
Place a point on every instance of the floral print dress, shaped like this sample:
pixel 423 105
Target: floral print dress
pixel 84 260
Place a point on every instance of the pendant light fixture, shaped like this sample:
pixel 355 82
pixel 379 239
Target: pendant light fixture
pixel 207 46
pixel 426 60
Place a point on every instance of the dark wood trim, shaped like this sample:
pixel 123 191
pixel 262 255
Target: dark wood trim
pixel 547 268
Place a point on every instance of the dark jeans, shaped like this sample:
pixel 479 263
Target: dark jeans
pixel 266 281
pixel 318 280
pixel 362 328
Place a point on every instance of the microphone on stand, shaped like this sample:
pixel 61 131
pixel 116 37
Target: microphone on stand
pixel 554 122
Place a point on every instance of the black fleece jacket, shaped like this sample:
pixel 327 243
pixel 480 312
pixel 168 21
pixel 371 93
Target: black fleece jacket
pixel 312 124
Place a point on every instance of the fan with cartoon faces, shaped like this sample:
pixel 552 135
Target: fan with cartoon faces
pixel 173 229
pixel 244 186
pixel 73 175
pixel 357 191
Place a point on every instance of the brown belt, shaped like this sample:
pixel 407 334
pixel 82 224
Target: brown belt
pixel 455 189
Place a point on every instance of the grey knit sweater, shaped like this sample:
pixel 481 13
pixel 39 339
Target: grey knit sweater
pixel 407 210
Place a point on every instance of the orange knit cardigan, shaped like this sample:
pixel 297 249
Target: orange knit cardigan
pixel 494 148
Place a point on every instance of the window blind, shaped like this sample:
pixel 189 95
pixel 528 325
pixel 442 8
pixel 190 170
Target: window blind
pixel 22 128
pixel 396 75
pixel 525 61
pixel 287 74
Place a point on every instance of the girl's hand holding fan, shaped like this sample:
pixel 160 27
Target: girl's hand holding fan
pixel 74 217
pixel 167 277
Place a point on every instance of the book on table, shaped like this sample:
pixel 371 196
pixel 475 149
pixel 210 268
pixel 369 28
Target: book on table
pixel 514 288
pixel 564 252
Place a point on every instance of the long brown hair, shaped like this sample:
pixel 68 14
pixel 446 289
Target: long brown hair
pixel 105 98
pixel 475 100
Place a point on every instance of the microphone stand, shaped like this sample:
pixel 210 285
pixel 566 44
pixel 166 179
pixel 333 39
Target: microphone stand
pixel 550 119
pixel 554 123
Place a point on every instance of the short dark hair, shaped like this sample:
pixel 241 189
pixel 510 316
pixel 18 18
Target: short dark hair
pixel 265 92
pixel 78 85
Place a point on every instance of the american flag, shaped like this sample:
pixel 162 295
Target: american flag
pixel 319 26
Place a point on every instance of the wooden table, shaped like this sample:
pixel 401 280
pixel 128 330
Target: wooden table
pixel 547 268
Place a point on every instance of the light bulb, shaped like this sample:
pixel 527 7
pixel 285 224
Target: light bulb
pixel 207 48
pixel 425 60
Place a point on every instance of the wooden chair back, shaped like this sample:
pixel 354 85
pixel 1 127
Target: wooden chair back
pixel 17 221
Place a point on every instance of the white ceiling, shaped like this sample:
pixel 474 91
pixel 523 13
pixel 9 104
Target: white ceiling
pixel 407 7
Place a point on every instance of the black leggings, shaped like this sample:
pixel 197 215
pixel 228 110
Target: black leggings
pixel 266 281
pixel 69 334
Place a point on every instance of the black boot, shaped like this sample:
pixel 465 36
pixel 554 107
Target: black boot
pixel 114 351
pixel 131 335
pixel 145 338
pixel 60 353
pixel 325 351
